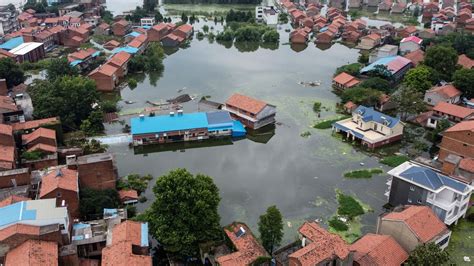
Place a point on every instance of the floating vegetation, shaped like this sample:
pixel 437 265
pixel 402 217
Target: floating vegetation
pixel 305 134
pixel 325 124
pixel 363 173
pixel 394 160
pixel 338 224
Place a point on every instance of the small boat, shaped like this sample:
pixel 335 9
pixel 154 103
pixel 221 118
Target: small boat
pixel 129 102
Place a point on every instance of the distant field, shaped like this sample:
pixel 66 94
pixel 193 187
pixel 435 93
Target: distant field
pixel 204 9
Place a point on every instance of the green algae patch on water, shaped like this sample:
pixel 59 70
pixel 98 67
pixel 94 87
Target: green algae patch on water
pixel 363 173
pixel 461 243
pixel 394 160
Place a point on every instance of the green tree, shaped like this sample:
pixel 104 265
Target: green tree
pixel 463 79
pixel 380 71
pixel 205 28
pixel 70 98
pixel 59 67
pixel 154 57
pixel 271 36
pixel 361 96
pixel 184 212
pixel 135 182
pixel 149 5
pixel 352 69
pixel 376 83
pixel 428 254
pixel 12 72
pixel 270 227
pixel 420 78
pixel 93 202
pixel 443 59
pixel 158 16
pixel 93 125
pixel 283 18
pixel 363 58
pixel 409 101
pixel 184 18
pixel 93 146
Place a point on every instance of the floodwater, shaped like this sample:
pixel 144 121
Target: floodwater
pixel 298 174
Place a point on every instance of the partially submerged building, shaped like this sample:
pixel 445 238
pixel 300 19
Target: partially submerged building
pixel 184 127
pixel 251 112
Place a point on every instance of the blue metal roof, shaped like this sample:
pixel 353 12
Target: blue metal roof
pixel 382 61
pixel 127 49
pixel 12 43
pixel 219 119
pixel 15 213
pixel 369 114
pixel 133 34
pixel 426 177
pixel 75 63
pixel 96 54
pixel 144 235
pixel 166 123
pixel 238 129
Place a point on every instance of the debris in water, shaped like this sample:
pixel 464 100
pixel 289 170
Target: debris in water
pixel 183 98
pixel 315 177
pixel 180 90
pixel 310 83
pixel 129 102
pixel 467 259
pixel 289 224
pixel 362 164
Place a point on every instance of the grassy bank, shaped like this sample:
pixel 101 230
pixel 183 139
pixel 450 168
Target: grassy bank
pixel 325 124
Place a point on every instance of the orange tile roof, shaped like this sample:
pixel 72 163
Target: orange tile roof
pixel 34 123
pixel 112 43
pixel 62 178
pixel 103 26
pixel 20 229
pixel 7 103
pixel 6 130
pixel 135 43
pixel 125 194
pixel 248 248
pixel 120 59
pixel 447 91
pixel 465 61
pixel 453 110
pixel 323 246
pixel 421 220
pixel 106 69
pixel 121 22
pixel 185 28
pixel 373 36
pixel 346 79
pixel 462 126
pixel 43 147
pixel 120 252
pixel 33 252
pixel 7 154
pixel 350 105
pixel 246 103
pixel 381 250
pixel 467 164
pixel 81 54
pixel 12 199
pixel 40 132
pixel 416 56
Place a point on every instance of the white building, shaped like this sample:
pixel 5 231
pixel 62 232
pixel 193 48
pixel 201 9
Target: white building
pixel 384 51
pixel 410 44
pixel 416 184
pixel 8 20
pixel 147 22
pixel 266 14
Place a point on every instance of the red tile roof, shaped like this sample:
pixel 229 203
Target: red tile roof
pixel 421 220
pixel 112 43
pixel 465 61
pixel 447 91
pixel 40 132
pixel 248 248
pixel 62 178
pixel 467 164
pixel 43 147
pixel 6 130
pixel 106 69
pixel 81 54
pixel 323 246
pixel 453 110
pixel 119 59
pixel 7 103
pixel 412 39
pixel 12 199
pixel 381 250
pixel 7 154
pixel 33 252
pixel 246 103
pixel 103 26
pixel 462 126
pixel 121 22
pixel 416 56
pixel 128 194
pixel 373 36
pixel 186 28
pixel 346 80
pixel 34 123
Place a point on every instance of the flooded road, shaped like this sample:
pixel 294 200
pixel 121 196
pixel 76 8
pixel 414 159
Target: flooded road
pixel 298 174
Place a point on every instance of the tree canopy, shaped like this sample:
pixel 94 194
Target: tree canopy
pixel 463 80
pixel 184 212
pixel 270 227
pixel 361 96
pixel 428 254
pixel 12 72
pixel 352 69
pixel 409 101
pixel 70 98
pixel 443 59
pixel 93 202
pixel 420 78
pixel 59 67
pixel 376 83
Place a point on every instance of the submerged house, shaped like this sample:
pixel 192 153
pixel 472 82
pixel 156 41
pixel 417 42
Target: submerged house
pixel 251 112
pixel 184 127
pixel 372 128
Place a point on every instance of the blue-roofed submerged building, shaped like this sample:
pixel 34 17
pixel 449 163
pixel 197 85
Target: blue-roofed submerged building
pixel 372 128
pixel 184 127
pixel 415 184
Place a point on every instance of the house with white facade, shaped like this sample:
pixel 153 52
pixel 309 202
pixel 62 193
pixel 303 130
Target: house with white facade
pixel 372 128
pixel 410 44
pixel 147 22
pixel 414 184
pixel 445 93
pixel 384 51
pixel 266 14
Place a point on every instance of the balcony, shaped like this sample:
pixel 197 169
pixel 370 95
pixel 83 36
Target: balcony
pixel 445 205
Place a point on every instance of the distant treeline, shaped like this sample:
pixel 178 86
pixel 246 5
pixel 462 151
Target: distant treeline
pixel 254 2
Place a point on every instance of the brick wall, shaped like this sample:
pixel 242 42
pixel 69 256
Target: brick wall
pixel 20 178
pixel 71 199
pixel 458 143
pixel 100 175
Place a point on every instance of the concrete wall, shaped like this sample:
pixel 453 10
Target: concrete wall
pixel 400 193
pixel 400 231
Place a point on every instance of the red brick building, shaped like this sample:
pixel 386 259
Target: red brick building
pixel 458 140
pixel 159 31
pixel 33 252
pixel 121 27
pixel 7 148
pixel 41 139
pixel 106 77
pixel 12 199
pixel 62 184
pixel 344 81
pixel 15 177
pixel 96 171
pixel 374 249
pixel 120 61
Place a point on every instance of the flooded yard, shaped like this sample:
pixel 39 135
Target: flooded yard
pixel 298 174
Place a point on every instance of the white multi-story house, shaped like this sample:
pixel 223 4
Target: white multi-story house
pixel 372 128
pixel 266 14
pixel 8 20
pixel 147 22
pixel 416 184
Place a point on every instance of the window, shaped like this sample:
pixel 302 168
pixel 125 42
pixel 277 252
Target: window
pixel 409 201
pixel 419 201
pixel 58 194
pixel 412 188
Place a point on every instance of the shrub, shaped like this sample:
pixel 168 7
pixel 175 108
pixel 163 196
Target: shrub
pixel 328 123
pixel 317 107
pixel 337 224
pixel 363 173
pixel 32 155
pixel 132 83
pixel 348 206
pixel 394 160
